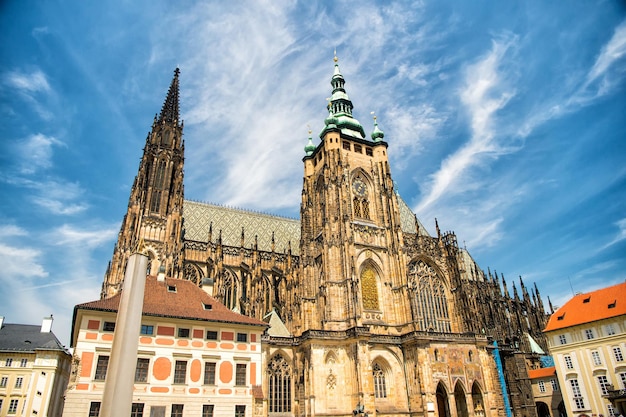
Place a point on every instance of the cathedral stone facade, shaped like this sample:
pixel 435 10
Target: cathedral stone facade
pixel 368 312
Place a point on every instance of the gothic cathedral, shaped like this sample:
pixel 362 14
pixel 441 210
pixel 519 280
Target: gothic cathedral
pixel 368 312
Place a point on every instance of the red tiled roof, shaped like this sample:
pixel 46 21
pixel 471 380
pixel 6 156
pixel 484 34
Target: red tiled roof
pixel 187 301
pixel 585 308
pixel 542 372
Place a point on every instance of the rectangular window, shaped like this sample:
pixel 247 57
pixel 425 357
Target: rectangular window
pixel 8 362
pixel 101 368
pixel 207 410
pixel 603 382
pixel 211 335
pixel 240 411
pixel 542 386
pixel 94 409
pixel 242 337
pixel 357 148
pixel 369 152
pixel 611 410
pixel 180 372
pixel 136 410
pixel 579 402
pixel 147 330
pixel 19 381
pixel 568 362
pixel 157 411
pixel 108 326
pixel 13 406
pixel 562 339
pixel 622 378
pixel 23 363
pixel 177 410
pixel 610 330
pixel 209 373
pixel 240 374
pixel 595 355
pixel 589 334
pixel 346 145
pixel 3 381
pixel 555 385
pixel 618 354
pixel 183 333
pixel 141 371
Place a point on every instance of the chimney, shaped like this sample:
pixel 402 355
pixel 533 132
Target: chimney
pixel 46 325
pixel 161 274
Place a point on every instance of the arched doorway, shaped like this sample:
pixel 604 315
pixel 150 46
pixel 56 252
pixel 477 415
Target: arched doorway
pixel 460 402
pixel 443 408
pixel 562 412
pixel 542 409
pixel 477 400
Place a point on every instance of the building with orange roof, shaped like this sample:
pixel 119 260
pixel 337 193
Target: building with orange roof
pixel 547 392
pixel 587 338
pixel 195 356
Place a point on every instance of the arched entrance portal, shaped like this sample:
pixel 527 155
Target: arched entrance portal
pixel 443 408
pixel 459 399
pixel 477 401
pixel 542 409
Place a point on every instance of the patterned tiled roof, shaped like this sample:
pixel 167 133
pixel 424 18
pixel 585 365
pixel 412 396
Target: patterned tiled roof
pixel 199 216
pixel 188 301
pixel 585 308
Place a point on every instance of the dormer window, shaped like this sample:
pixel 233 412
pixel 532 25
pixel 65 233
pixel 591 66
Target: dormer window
pixel 171 288
pixel 207 306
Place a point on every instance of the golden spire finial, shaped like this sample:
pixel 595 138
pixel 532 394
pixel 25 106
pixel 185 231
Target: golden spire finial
pixel 309 127
pixel 373 115
pixel 335 58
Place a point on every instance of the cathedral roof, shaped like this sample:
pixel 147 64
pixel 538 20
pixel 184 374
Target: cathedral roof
pixel 175 298
pixel 593 306
pixel 199 217
pixel 230 222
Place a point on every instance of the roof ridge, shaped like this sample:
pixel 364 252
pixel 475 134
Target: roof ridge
pixel 243 210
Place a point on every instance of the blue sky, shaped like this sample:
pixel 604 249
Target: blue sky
pixel 505 121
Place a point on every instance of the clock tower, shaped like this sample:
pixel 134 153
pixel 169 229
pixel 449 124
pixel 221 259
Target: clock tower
pixel 351 234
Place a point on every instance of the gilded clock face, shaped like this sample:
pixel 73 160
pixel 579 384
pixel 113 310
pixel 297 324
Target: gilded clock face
pixel 359 187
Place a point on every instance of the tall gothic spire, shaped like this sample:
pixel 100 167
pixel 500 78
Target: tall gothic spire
pixel 169 112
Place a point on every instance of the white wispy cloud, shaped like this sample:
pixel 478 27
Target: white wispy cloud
pixel 28 82
pixel 69 235
pixel 35 152
pixel 599 80
pixel 55 195
pixel 619 236
pixel 21 261
pixel 486 91
pixel 31 86
pixel 611 53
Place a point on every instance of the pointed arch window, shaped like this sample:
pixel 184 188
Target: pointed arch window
pixel 369 288
pixel 430 298
pixel 279 373
pixel 230 290
pixel 155 201
pixel 380 385
pixel 160 175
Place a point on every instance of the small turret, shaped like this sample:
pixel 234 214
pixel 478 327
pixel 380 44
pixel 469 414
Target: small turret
pixel 377 134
